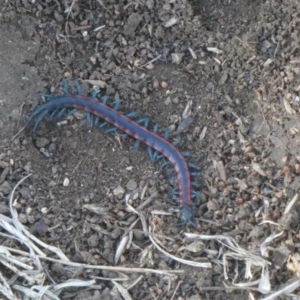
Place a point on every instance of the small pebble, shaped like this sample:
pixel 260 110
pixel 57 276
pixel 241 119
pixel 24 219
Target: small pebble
pixel 175 100
pixel 156 84
pixel 150 66
pixel 28 210
pixel 5 188
pixel 213 205
pixel 66 181
pixel 168 100
pixel 93 241
pixel 164 84
pixel 115 233
pixel 39 228
pixel 135 195
pixel 54 169
pixel 92 152
pixel 4 174
pixel 51 183
pixel 52 147
pixel 42 142
pixel 22 218
pixel 67 74
pixel 44 210
pixel 119 191
pixel 131 185
pixel 210 86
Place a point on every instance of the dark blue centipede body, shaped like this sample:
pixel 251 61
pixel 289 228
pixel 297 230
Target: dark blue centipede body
pixel 130 127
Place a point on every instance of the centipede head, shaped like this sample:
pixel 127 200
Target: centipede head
pixel 186 214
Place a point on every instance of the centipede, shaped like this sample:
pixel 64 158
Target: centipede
pixel 101 115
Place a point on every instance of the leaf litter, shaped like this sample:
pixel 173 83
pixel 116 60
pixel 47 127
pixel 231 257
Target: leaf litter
pixel 28 264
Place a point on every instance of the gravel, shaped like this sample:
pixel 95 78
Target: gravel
pixel 231 66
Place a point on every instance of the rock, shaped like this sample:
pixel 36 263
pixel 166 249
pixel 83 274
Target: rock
pixel 5 188
pixel 42 142
pixel 131 185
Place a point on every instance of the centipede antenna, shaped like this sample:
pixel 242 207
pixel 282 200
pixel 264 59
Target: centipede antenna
pixel 53 114
pixel 39 119
pixel 61 113
pixel 35 113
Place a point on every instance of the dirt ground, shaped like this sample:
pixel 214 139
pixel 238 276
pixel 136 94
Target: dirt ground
pixel 236 61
